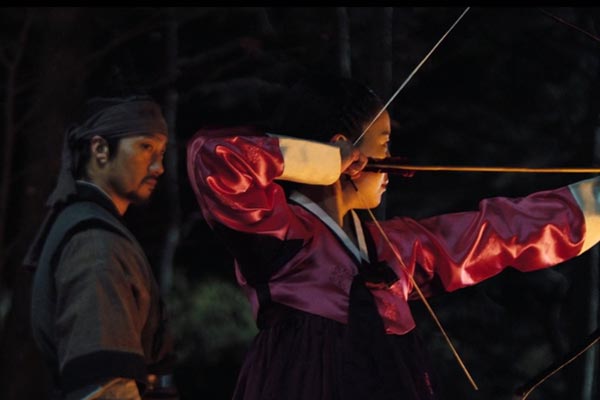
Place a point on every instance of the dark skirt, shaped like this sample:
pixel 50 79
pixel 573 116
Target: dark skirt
pixel 302 356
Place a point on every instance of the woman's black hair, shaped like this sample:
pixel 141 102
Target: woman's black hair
pixel 321 106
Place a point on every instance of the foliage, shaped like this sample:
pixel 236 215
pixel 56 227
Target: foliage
pixel 213 326
pixel 208 318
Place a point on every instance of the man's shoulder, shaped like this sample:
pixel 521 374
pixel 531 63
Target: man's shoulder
pixel 88 227
pixel 89 216
pixel 85 210
pixel 98 236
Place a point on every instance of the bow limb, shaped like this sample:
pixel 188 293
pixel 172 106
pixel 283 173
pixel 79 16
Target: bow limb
pixel 418 290
pixel 573 26
pixel 525 390
pixel 414 71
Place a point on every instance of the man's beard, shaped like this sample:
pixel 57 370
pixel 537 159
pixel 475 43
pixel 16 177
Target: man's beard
pixel 136 199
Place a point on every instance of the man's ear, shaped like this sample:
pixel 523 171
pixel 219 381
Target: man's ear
pixel 99 149
pixel 337 137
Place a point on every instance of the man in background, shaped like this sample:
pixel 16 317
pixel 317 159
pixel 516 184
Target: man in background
pixel 97 316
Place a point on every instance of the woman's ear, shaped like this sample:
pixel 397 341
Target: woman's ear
pixel 337 137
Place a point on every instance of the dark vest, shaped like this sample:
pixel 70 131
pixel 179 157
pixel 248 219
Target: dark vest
pixel 74 217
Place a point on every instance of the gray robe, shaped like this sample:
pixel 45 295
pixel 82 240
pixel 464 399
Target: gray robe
pixel 96 308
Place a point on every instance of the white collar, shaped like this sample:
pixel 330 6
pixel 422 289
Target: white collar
pixel 360 253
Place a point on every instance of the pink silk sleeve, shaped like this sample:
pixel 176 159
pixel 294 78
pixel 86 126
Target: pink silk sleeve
pixel 232 178
pixel 282 252
pixel 462 249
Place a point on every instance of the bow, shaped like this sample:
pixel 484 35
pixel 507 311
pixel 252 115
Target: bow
pixel 526 389
pixel 392 165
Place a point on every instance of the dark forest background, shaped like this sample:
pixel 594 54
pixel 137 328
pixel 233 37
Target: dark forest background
pixel 509 86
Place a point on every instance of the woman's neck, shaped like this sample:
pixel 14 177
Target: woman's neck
pixel 331 200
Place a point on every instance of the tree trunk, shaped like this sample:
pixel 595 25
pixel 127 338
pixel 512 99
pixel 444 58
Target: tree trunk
pixel 171 160
pixel 387 51
pixel 383 74
pixel 23 374
pixel 6 181
pixel 264 22
pixel 345 51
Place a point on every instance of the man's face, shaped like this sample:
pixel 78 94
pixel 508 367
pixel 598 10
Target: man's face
pixel 133 172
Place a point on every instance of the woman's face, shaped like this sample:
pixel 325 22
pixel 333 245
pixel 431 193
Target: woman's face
pixel 374 144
